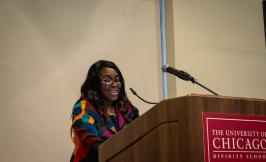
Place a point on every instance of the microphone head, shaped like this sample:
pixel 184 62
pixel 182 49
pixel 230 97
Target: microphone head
pixel 164 67
pixel 133 91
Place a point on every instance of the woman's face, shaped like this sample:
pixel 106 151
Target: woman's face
pixel 110 83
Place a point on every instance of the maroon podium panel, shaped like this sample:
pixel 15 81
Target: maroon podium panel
pixel 234 137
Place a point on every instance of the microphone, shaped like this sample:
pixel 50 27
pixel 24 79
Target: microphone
pixel 179 73
pixel 135 93
pixel 184 76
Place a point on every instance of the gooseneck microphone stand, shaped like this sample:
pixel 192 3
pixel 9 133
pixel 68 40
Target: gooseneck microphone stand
pixel 195 81
pixel 135 93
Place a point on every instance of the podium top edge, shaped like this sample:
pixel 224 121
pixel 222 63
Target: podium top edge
pixel 217 96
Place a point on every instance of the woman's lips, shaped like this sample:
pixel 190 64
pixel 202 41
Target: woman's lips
pixel 114 92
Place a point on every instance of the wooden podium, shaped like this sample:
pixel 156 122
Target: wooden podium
pixel 172 131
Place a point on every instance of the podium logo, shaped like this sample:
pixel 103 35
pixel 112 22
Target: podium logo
pixel 234 138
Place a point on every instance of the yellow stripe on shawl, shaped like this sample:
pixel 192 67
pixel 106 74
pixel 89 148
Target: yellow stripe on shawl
pixel 91 120
pixel 83 107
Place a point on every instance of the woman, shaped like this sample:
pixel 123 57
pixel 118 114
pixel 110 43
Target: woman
pixel 102 109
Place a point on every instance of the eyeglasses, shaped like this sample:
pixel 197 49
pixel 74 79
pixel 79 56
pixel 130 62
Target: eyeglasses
pixel 109 81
